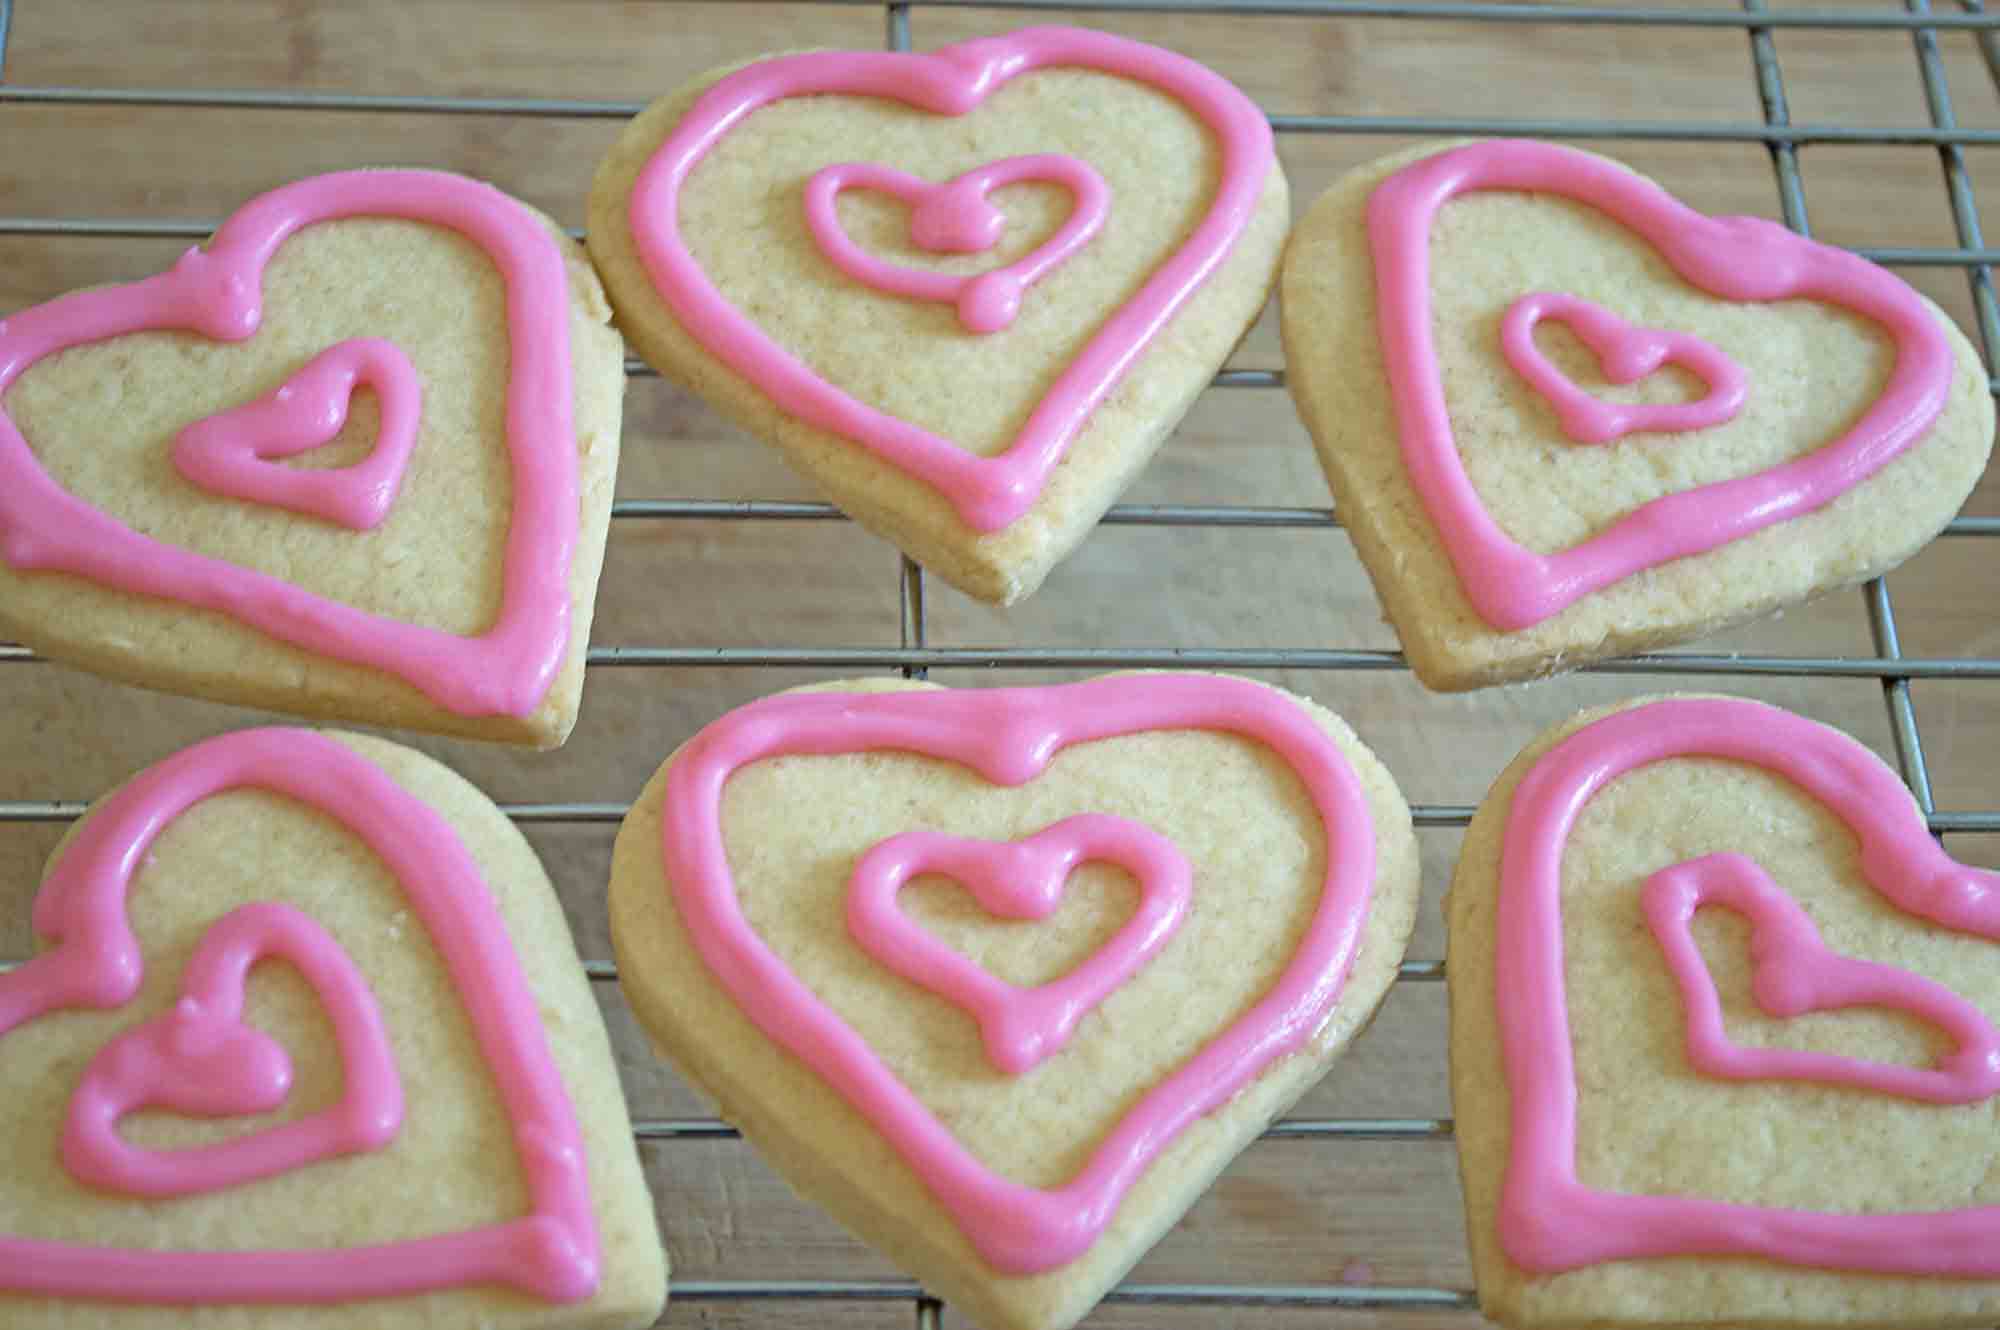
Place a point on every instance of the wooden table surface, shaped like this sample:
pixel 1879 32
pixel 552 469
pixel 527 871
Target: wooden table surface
pixel 1289 1212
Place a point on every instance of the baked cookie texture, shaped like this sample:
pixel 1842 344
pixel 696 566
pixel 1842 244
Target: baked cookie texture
pixel 744 217
pixel 1813 368
pixel 101 420
pixel 793 828
pixel 452 1165
pixel 1649 1122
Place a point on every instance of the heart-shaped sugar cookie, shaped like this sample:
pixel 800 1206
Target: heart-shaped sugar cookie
pixel 977 396
pixel 444 1050
pixel 1501 548
pixel 859 1059
pixel 1661 1123
pixel 157 523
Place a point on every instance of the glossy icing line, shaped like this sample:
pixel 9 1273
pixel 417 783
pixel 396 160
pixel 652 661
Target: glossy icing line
pixel 1793 972
pixel 1022 879
pixel 989 493
pixel 1733 258
pixel 199 1057
pixel 236 453
pixel 957 217
pixel 1627 354
pixel 551 1252
pixel 1009 736
pixel 217 292
pixel 1548 1220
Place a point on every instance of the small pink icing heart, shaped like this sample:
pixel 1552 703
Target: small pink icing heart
pixel 956 217
pixel 200 1058
pixel 1022 879
pixel 1794 974
pixel 236 453
pixel 1627 354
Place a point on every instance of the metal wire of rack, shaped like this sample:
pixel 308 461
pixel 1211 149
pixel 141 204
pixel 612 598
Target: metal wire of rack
pixel 1777 132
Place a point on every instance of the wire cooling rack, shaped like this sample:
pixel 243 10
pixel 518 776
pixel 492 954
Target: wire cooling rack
pixel 914 655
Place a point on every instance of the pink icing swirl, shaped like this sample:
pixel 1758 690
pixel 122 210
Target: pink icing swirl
pixel 551 1253
pixel 1023 879
pixel 1548 1220
pixel 1735 258
pixel 956 217
pixel 989 493
pixel 1628 354
pixel 1009 736
pixel 235 453
pixel 217 292
pixel 1795 973
pixel 199 1057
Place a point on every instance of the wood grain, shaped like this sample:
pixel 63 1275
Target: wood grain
pixel 1288 1212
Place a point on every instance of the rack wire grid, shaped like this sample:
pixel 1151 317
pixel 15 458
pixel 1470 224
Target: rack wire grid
pixel 1888 665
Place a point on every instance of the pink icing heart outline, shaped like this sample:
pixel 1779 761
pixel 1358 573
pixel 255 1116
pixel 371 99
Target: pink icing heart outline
pixel 1793 973
pixel 956 217
pixel 552 1252
pixel 1736 258
pixel 234 452
pixel 1024 879
pixel 217 293
pixel 1627 355
pixel 158 1064
pixel 989 493
pixel 1009 736
pixel 1548 1220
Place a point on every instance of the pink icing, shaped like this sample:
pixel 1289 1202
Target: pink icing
pixel 552 1252
pixel 1009 736
pixel 1628 354
pixel 1020 880
pixel 1794 973
pixel 988 492
pixel 1734 258
pixel 234 454
pixel 199 1057
pixel 1548 1220
pixel 956 217
pixel 217 293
